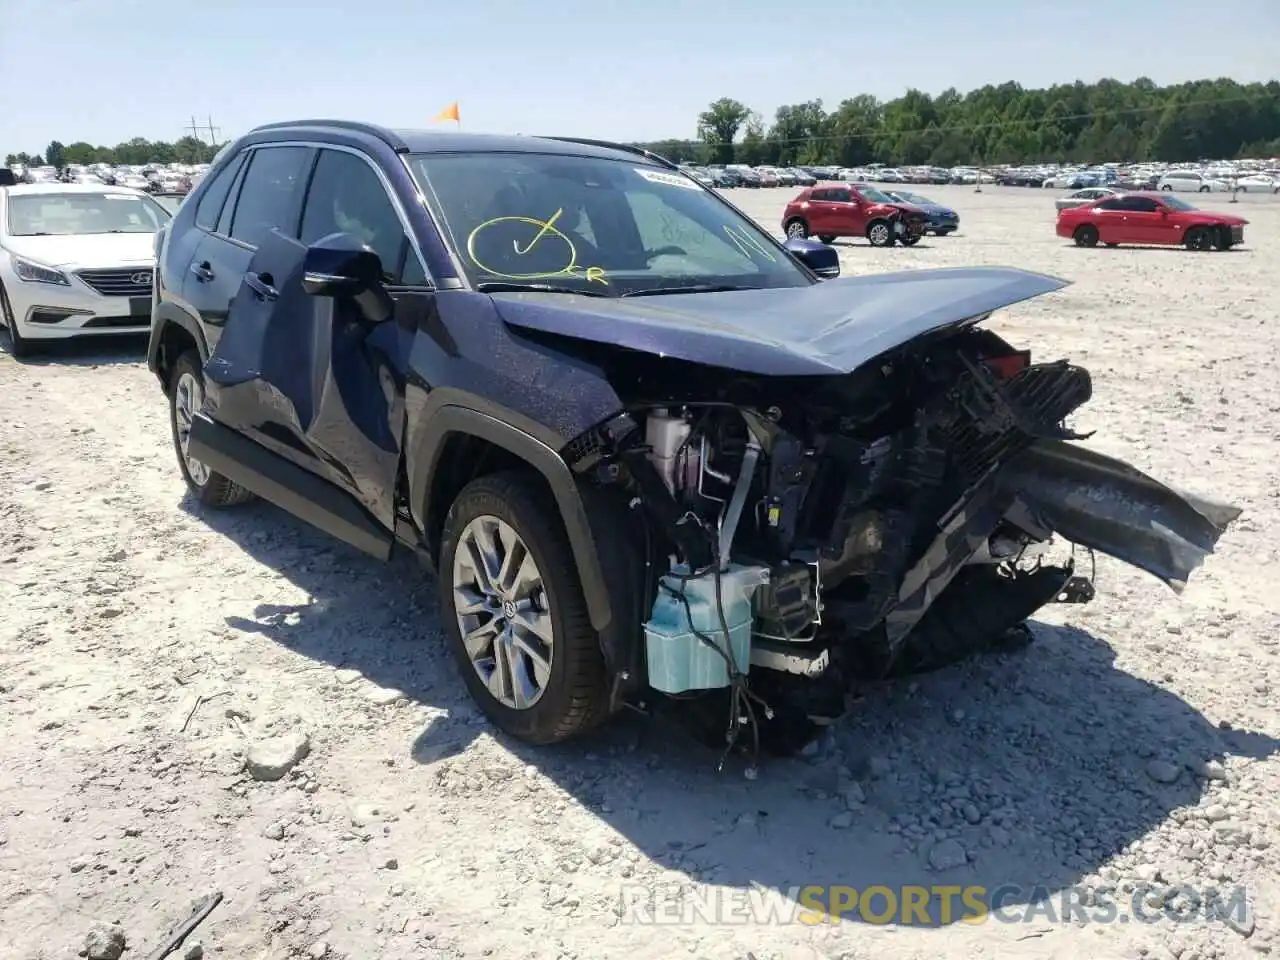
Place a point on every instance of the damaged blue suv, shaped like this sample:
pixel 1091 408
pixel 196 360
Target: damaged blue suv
pixel 650 452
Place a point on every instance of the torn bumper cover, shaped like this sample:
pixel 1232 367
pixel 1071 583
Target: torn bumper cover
pixel 1088 499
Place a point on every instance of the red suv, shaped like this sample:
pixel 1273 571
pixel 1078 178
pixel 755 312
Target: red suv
pixel 853 210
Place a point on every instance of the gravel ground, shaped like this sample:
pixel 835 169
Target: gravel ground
pixel 157 662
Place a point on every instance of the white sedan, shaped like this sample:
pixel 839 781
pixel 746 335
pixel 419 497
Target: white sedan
pixel 1082 197
pixel 1258 183
pixel 75 260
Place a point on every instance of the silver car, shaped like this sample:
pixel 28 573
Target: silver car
pixel 1082 197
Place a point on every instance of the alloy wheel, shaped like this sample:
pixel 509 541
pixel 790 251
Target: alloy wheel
pixel 880 234
pixel 796 229
pixel 188 397
pixel 501 605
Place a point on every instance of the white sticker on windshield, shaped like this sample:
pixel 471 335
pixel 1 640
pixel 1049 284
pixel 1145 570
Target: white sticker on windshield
pixel 117 196
pixel 668 179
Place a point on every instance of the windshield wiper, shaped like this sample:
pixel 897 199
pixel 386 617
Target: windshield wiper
pixel 506 286
pixel 691 288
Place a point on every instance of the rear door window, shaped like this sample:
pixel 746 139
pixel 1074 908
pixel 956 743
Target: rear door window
pixel 215 195
pixel 269 195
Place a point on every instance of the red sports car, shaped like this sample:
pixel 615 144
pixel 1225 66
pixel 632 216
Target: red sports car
pixel 832 210
pixel 1149 218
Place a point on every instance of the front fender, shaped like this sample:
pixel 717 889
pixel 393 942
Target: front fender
pixel 422 462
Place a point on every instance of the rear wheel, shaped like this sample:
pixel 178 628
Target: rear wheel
pixel 18 347
pixel 797 229
pixel 1167 188
pixel 186 396
pixel 1198 238
pixel 910 241
pixel 880 233
pixel 514 612
pixel 1086 235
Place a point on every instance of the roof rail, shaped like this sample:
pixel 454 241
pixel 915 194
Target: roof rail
pixel 624 147
pixel 369 129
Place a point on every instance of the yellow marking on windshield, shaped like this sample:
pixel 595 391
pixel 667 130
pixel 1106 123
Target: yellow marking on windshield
pixel 546 230
pixel 744 240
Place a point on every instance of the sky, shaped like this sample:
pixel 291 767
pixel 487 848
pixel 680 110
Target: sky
pixel 109 70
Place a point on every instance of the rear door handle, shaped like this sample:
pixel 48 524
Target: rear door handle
pixel 260 283
pixel 203 271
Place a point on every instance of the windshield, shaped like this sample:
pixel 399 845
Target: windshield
pixel 1177 203
pixel 605 226
pixel 872 195
pixel 70 214
pixel 912 197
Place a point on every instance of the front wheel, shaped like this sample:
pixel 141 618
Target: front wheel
pixel 1167 188
pixel 18 347
pixel 797 229
pixel 827 238
pixel 880 233
pixel 1198 238
pixel 1204 189
pixel 910 240
pixel 1222 239
pixel 186 396
pixel 514 613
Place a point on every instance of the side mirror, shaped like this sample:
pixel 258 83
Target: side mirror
pixel 339 265
pixel 818 257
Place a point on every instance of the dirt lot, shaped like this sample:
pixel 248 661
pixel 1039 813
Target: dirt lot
pixel 146 648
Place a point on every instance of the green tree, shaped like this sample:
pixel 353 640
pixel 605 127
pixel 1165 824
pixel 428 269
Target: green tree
pixel 718 125
pixel 55 155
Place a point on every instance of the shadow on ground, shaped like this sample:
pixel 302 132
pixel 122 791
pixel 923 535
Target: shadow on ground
pixel 1035 763
pixel 97 351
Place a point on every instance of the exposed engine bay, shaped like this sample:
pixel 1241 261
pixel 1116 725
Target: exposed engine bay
pixel 802 531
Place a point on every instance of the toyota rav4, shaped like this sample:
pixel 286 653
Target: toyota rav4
pixel 648 450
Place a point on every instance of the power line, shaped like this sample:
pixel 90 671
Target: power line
pixel 1003 124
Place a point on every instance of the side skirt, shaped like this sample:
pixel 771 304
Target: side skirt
pixel 300 492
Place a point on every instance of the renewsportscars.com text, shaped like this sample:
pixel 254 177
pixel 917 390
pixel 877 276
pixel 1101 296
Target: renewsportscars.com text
pixel 936 905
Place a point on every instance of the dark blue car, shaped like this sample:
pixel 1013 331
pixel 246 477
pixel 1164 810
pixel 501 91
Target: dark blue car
pixel 641 442
pixel 941 220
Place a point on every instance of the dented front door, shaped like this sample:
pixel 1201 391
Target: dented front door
pixel 311 380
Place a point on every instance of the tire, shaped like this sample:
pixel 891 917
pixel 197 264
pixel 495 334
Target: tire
pixel 1204 190
pixel 19 348
pixel 1086 235
pixel 1167 189
pixel 572 695
pixel 185 390
pixel 827 238
pixel 797 228
pixel 1222 239
pixel 910 241
pixel 1198 238
pixel 880 233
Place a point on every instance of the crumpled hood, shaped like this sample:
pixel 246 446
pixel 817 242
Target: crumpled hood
pixel 832 327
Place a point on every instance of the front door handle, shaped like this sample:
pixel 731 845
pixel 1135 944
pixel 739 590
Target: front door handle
pixel 203 271
pixel 260 283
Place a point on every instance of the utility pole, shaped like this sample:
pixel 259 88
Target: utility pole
pixel 213 132
pixel 195 130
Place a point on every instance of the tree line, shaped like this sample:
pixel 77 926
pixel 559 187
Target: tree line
pixel 135 152
pixel 1005 124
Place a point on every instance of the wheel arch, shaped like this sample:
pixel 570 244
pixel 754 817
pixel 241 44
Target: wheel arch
pixel 173 331
pixel 453 431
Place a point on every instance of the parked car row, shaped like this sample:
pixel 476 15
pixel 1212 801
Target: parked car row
pixel 156 178
pixel 1263 177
